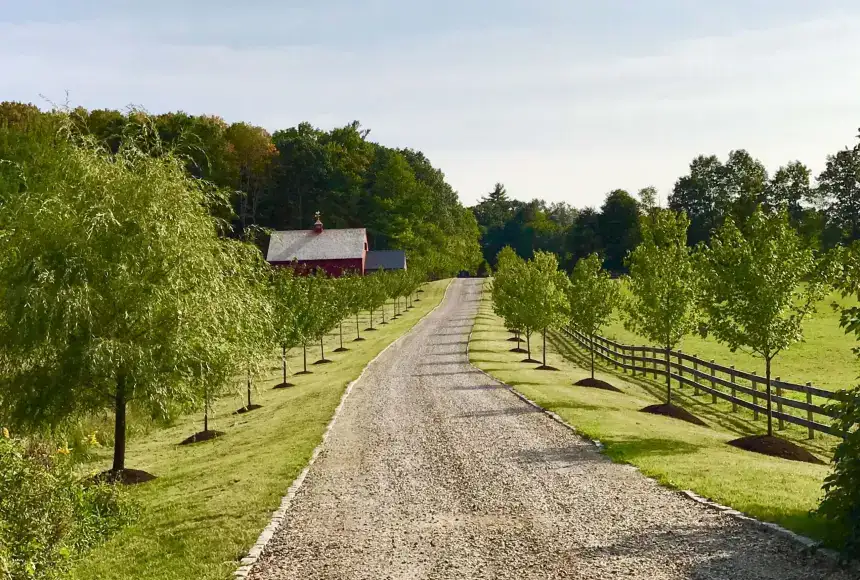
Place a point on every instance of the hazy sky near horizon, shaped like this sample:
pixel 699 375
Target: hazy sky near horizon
pixel 558 99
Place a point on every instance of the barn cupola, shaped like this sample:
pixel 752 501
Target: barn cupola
pixel 318 227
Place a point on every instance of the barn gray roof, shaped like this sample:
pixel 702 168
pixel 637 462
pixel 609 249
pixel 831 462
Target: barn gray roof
pixel 385 259
pixel 301 245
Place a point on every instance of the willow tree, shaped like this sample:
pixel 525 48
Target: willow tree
pixel 663 285
pixel 114 282
pixel 593 296
pixel 286 302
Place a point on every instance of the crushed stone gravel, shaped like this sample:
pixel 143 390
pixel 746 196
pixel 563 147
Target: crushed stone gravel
pixel 434 471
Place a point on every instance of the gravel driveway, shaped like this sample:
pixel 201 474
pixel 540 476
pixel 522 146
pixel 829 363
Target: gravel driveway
pixel 435 471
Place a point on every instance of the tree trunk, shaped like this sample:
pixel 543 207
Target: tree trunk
pixel 249 388
pixel 383 313
pixel 592 357
pixel 371 319
pixel 668 379
pixel 119 425
pixel 284 359
pixel 769 398
pixel 519 340
pixel 322 349
pixel 341 334
pixel 357 329
pixel 529 344
pixel 305 356
pixel 206 409
pixel 544 347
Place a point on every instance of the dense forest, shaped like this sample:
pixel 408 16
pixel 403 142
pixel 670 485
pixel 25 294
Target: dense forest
pixel 826 213
pixel 279 180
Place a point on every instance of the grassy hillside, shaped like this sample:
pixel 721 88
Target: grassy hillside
pixel 211 500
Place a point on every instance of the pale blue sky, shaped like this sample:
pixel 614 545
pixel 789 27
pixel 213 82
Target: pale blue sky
pixel 562 100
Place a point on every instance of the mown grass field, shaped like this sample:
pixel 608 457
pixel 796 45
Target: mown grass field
pixel 676 453
pixel 824 358
pixel 211 500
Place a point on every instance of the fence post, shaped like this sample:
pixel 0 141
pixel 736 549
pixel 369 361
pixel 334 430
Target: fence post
pixel 732 379
pixel 695 376
pixel 654 362
pixel 754 384
pixel 680 369
pixel 713 385
pixel 779 405
pixel 614 359
pixel 809 415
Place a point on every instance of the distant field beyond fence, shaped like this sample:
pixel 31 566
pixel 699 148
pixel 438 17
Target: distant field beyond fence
pixel 801 405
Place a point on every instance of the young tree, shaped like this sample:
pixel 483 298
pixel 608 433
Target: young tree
pixel 287 301
pixel 663 285
pixel 758 287
pixel 545 302
pixel 375 294
pixel 113 282
pixel 354 289
pixel 506 289
pixel 593 296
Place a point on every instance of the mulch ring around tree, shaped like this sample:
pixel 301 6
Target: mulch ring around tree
pixel 341 349
pixel 359 339
pixel 323 361
pixel 530 361
pixel 519 350
pixel 546 368
pixel 597 384
pixel 675 412
pixel 514 339
pixel 284 385
pixel 775 447
pixel 304 373
pixel 247 409
pixel 370 329
pixel 202 436
pixel 124 477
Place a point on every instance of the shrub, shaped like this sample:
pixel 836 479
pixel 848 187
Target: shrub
pixel 841 504
pixel 47 515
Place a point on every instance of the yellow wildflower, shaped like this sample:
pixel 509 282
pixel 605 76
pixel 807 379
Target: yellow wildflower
pixel 64 450
pixel 93 440
pixel 5 432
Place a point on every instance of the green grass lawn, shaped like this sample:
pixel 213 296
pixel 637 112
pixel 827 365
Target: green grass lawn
pixel 676 453
pixel 211 500
pixel 825 358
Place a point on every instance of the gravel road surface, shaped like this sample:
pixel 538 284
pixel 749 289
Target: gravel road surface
pixel 434 471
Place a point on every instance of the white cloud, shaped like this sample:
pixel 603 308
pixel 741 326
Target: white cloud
pixel 553 119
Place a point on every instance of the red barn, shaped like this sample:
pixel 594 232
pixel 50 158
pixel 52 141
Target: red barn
pixel 335 251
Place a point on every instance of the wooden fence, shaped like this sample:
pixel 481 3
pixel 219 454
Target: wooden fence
pixel 739 388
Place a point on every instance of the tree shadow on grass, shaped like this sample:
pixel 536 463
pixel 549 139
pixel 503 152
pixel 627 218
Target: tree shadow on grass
pixel 633 448
pixel 716 415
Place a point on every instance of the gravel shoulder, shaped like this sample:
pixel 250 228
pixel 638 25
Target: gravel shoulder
pixel 435 471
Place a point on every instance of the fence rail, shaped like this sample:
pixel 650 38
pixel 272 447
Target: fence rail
pixel 707 377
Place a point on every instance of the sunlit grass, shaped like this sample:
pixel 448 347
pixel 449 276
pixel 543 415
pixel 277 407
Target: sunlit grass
pixel 677 454
pixel 211 500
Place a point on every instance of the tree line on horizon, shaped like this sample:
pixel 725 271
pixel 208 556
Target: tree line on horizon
pixel 826 212
pixel 278 181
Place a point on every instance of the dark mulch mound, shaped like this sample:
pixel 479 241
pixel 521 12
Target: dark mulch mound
pixel 417 300
pixel 341 349
pixel 124 477
pixel 370 329
pixel 775 447
pixel 304 373
pixel 597 384
pixel 202 436
pixel 546 368
pixel 359 339
pixel 247 409
pixel 283 386
pixel 383 323
pixel 418 292
pixel 530 361
pixel 519 350
pixel 675 413
pixel 514 339
pixel 323 361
